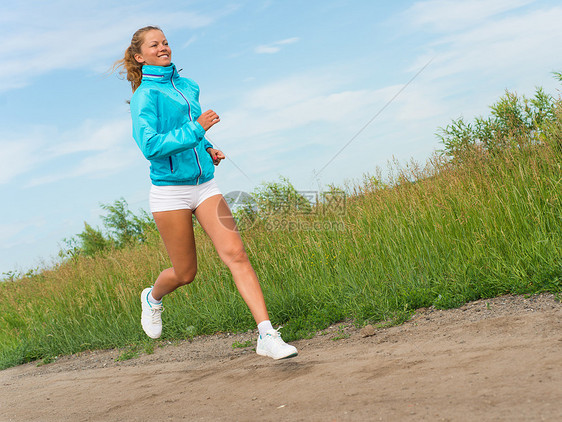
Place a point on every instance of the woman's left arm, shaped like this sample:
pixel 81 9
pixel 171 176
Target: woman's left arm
pixel 216 155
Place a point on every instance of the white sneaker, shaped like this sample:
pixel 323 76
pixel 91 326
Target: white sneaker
pixel 272 345
pixel 151 316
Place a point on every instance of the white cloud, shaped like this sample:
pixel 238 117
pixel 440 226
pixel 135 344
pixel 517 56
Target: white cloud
pixel 274 47
pixel 89 35
pixel 93 136
pixel 510 44
pixel 453 15
pixel 507 45
pixel 296 103
pixel 288 41
pixel 19 232
pixel 190 41
pixel 474 64
pixel 267 49
pixel 419 102
pixel 98 148
pixel 293 103
pixel 296 124
pixel 98 165
pixel 21 154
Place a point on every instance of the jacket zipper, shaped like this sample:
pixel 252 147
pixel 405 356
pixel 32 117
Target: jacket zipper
pixel 191 119
pixel 171 165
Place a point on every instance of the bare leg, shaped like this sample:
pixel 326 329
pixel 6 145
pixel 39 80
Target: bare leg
pixel 176 230
pixel 216 219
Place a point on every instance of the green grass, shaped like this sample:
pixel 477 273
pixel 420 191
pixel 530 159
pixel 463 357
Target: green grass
pixel 439 236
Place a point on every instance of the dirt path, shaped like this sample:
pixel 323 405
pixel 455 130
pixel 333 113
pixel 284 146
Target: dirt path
pixel 498 359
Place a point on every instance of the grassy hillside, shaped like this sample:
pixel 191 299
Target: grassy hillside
pixel 482 219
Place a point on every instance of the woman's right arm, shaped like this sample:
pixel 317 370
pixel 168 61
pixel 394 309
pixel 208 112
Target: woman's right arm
pixel 160 145
pixel 208 119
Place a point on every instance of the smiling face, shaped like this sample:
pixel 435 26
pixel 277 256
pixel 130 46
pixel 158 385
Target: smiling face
pixel 155 50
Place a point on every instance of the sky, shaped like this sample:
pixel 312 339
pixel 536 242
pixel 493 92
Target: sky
pixel 292 81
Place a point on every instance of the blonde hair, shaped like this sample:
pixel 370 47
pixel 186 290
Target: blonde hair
pixel 130 67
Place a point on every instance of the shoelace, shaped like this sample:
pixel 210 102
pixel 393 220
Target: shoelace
pixel 157 315
pixel 276 336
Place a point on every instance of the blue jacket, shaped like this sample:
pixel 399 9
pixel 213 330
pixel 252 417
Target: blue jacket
pixel 164 109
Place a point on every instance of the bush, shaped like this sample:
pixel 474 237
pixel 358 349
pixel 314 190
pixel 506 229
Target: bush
pixel 122 228
pixel 515 122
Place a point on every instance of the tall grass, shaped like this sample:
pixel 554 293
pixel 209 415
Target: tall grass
pixel 442 234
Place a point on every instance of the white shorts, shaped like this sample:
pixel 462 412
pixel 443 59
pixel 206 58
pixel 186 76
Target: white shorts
pixel 181 197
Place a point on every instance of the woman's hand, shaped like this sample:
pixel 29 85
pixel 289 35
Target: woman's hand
pixel 208 119
pixel 216 155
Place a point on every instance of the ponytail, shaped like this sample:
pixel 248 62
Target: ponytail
pixel 132 69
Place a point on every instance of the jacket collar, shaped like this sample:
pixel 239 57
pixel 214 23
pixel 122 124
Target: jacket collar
pixel 159 73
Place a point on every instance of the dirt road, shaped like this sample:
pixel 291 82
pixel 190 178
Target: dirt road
pixel 491 360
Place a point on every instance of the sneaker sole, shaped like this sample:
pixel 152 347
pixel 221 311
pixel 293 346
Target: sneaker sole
pixel 261 353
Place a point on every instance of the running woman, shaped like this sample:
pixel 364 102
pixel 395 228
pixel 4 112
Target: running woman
pixel 170 128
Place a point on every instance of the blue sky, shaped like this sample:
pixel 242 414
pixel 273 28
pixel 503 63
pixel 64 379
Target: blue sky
pixel 293 82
